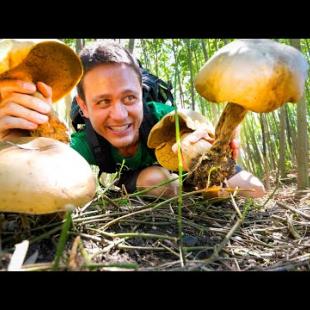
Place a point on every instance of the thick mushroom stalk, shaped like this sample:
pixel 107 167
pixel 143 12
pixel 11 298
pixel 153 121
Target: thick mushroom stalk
pixel 51 62
pixel 251 75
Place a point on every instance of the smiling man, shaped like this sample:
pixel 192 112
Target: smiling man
pixel 110 97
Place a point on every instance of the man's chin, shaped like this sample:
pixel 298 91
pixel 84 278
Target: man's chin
pixel 121 143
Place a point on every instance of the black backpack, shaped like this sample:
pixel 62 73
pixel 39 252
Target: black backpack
pixel 154 89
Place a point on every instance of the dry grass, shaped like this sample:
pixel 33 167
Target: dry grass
pixel 139 233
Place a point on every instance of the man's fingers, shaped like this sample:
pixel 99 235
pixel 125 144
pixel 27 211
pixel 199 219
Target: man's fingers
pixel 175 148
pixel 9 86
pixel 235 154
pixel 235 145
pixel 10 122
pixel 27 101
pixel 18 111
pixel 195 137
pixel 45 90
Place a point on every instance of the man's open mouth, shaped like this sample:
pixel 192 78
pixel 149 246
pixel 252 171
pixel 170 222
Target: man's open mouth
pixel 119 128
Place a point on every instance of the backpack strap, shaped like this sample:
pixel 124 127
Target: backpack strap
pixel 100 148
pixel 148 122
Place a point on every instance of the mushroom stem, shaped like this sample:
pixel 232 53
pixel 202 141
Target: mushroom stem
pixel 231 117
pixel 216 164
pixel 54 128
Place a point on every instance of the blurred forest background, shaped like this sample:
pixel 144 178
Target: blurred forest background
pixel 274 146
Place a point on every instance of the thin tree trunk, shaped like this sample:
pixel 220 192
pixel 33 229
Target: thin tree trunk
pixel 266 164
pixel 282 142
pixel 154 45
pixel 291 137
pixel 190 65
pixel 272 146
pixel 131 45
pixel 176 68
pixel 204 50
pixel 146 59
pixel 302 148
pixel 79 44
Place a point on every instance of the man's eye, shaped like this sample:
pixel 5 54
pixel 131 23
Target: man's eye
pixel 104 102
pixel 129 99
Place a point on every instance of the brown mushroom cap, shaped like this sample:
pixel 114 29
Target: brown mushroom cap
pixel 43 175
pixel 258 74
pixel 48 61
pixel 162 137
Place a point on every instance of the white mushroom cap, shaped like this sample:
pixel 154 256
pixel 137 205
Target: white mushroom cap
pixel 43 175
pixel 259 74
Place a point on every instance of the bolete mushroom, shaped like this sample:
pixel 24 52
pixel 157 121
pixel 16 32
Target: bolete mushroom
pixel 48 61
pixel 39 174
pixel 162 137
pixel 258 75
pixel 43 175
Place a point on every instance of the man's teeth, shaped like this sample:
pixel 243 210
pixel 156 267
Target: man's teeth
pixel 119 128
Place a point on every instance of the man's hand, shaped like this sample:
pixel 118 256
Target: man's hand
pixel 234 145
pixel 20 109
pixel 194 137
pixel 207 135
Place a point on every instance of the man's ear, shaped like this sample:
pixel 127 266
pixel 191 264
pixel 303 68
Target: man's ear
pixel 82 104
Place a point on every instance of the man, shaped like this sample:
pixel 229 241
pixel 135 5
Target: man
pixel 110 97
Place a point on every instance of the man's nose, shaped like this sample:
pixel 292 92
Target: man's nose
pixel 118 111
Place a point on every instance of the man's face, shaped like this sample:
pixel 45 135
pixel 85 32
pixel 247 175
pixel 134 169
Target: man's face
pixel 113 103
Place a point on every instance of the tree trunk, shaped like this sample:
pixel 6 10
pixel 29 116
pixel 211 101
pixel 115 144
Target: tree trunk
pixel 131 45
pixel 302 148
pixel 266 164
pixel 204 50
pixel 291 137
pixel 154 45
pixel 177 77
pixel 146 60
pixel 282 142
pixel 190 66
pixel 79 44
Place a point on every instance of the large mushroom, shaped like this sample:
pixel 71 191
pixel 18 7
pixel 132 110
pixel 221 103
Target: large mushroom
pixel 258 75
pixel 40 174
pixel 162 138
pixel 48 61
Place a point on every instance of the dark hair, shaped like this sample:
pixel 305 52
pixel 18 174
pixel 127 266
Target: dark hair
pixel 100 53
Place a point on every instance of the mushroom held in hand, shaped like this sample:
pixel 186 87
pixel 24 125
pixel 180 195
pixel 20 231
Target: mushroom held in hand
pixel 48 61
pixel 256 75
pixel 38 174
pixel 162 138
pixel 43 175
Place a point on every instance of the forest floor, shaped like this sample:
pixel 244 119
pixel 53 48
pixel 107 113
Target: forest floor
pixel 138 233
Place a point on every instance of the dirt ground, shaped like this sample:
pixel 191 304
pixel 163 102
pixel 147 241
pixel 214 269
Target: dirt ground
pixel 142 234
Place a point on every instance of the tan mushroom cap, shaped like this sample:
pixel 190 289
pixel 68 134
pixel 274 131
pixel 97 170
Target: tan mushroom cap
pixel 259 74
pixel 163 136
pixel 43 175
pixel 48 61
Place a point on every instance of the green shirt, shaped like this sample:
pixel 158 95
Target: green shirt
pixel 142 158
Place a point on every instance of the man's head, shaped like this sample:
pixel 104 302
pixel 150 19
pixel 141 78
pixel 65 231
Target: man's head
pixel 110 93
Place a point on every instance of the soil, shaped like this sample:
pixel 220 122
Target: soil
pixel 234 234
